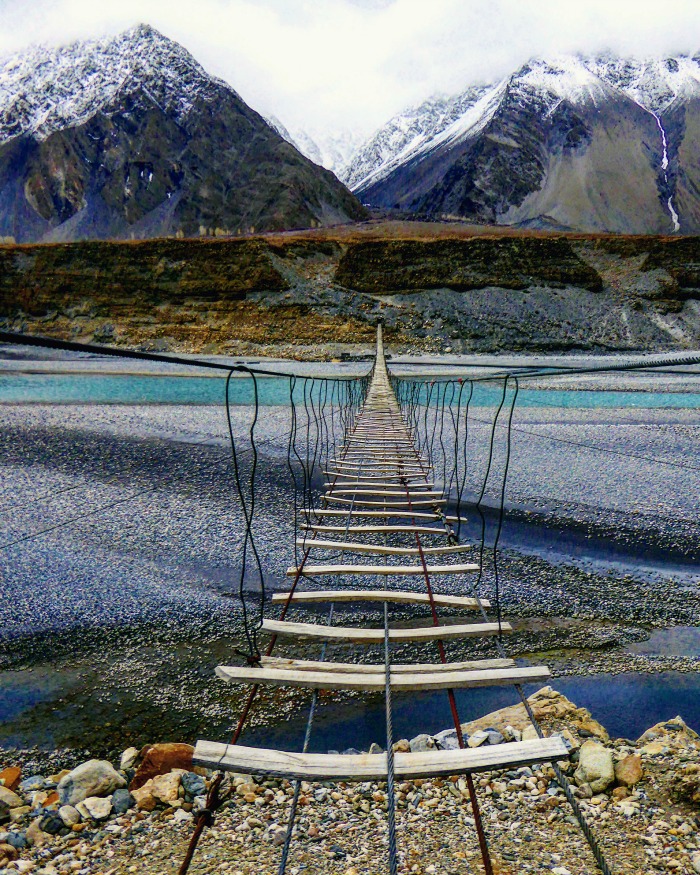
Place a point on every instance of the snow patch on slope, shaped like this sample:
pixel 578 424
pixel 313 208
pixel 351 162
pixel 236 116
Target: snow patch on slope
pixel 45 89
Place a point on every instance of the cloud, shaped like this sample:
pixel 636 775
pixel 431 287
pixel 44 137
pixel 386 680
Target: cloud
pixel 324 64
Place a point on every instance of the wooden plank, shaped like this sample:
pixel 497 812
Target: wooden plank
pixel 381 595
pixel 366 530
pixel 373 767
pixel 396 668
pixel 388 570
pixel 381 549
pixel 392 502
pixel 389 493
pixel 376 636
pixel 373 683
pixel 399 514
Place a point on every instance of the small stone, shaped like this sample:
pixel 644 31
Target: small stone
pixel 421 743
pixel 629 771
pixel 193 785
pixel 166 787
pixel 69 815
pixel 145 800
pixel 17 840
pixel 128 758
pixel 51 823
pixel 95 807
pixel 478 738
pixel 375 748
pixel 35 782
pixel 10 777
pixel 17 814
pixel 447 739
pixel 7 853
pixel 620 793
pixel 35 835
pixel 402 746
pixel 93 778
pixel 695 861
pixel 182 816
pixel 122 801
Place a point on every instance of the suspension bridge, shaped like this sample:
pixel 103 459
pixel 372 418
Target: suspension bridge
pixel 380 484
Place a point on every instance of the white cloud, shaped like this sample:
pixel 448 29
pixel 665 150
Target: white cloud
pixel 330 63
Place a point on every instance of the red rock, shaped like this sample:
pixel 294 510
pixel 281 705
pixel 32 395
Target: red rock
pixel 10 777
pixel 159 759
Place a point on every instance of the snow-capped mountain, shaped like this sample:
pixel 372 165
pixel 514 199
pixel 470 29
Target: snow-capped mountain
pixel 130 136
pixel 588 143
pixel 47 89
pixel 333 150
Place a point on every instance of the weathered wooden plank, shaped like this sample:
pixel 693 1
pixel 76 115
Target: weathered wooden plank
pixel 376 636
pixel 391 502
pixel 396 493
pixel 398 514
pixel 367 530
pixel 388 570
pixel 373 683
pixel 381 549
pixel 381 595
pixel 396 668
pixel 373 767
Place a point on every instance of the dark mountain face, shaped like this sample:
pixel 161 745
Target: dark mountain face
pixel 591 145
pixel 169 151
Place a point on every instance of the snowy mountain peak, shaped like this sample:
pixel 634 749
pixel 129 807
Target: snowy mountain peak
pixel 44 89
pixel 577 80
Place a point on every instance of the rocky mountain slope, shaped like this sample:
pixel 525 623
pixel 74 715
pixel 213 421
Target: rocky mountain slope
pixel 434 288
pixel 590 144
pixel 130 137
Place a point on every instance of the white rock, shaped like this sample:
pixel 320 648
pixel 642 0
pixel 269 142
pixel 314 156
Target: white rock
pixel 128 758
pixel 95 807
pixel 93 778
pixel 595 766
pixel 695 861
pixel 182 816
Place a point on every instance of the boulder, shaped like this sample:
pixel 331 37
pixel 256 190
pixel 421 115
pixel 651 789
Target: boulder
pixel 95 808
pixel 10 777
pixel 93 778
pixel 629 771
pixel 159 759
pixel 669 734
pixel 69 815
pixel 595 766
pixel 547 705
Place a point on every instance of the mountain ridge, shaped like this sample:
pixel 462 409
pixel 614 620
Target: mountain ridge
pixel 130 137
pixel 437 159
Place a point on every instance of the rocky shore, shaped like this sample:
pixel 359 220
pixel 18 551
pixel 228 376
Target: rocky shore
pixel 63 812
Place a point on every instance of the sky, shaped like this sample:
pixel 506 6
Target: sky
pixel 324 65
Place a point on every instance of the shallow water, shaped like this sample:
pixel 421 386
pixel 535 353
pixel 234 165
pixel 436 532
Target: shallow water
pixel 273 391
pixel 626 704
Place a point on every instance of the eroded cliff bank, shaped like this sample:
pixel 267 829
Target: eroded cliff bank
pixel 434 290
